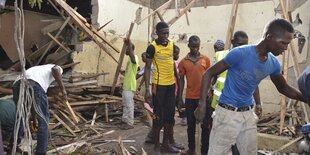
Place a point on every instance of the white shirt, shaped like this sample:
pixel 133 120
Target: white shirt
pixel 42 75
pixel 141 72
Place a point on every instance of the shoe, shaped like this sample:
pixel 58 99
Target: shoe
pixel 157 151
pixel 187 152
pixel 126 126
pixel 170 149
pixel 183 121
pixel 178 146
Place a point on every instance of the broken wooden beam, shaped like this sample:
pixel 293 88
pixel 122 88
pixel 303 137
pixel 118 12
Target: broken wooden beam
pixel 231 25
pixel 62 122
pixel 173 20
pixel 162 7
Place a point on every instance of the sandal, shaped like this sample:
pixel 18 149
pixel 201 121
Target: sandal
pixel 170 149
pixel 178 146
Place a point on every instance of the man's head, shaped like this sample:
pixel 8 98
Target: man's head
pixel 240 38
pixel 278 34
pixel 143 56
pixel 194 44
pixel 130 49
pixel 219 45
pixel 176 52
pixel 162 30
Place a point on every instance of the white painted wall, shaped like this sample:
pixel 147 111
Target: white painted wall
pixel 208 23
pixel 122 12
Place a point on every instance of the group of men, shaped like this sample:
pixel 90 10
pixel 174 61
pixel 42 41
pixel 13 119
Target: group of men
pixel 233 79
pixel 220 95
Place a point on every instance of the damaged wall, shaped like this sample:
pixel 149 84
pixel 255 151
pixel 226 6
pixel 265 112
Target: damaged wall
pixel 208 23
pixel 33 25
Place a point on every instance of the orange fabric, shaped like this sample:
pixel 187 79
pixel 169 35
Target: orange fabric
pixel 193 73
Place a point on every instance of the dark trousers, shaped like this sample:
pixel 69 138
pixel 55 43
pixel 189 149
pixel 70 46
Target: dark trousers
pixel 41 101
pixel 163 99
pixel 191 105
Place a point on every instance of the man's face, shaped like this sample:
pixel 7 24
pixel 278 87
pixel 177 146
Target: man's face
pixel 163 35
pixel 239 42
pixel 278 45
pixel 194 47
pixel 176 53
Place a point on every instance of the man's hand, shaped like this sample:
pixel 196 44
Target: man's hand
pixel 200 112
pixel 147 96
pixel 63 95
pixel 258 110
pixel 180 104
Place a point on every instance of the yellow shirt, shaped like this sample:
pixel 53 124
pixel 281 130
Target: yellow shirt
pixel 163 64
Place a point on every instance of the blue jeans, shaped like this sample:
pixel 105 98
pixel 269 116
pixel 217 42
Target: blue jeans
pixel 42 102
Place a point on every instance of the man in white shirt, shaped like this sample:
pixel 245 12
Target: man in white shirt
pixel 40 78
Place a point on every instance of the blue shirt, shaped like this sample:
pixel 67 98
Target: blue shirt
pixel 304 84
pixel 244 74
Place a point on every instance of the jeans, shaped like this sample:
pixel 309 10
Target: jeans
pixel 41 101
pixel 191 105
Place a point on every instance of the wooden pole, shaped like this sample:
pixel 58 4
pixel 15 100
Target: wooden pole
pixel 174 19
pixel 231 25
pixel 162 7
pixel 295 60
pixel 118 69
pixel 56 36
pixel 285 61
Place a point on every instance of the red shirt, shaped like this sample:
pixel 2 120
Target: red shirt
pixel 193 72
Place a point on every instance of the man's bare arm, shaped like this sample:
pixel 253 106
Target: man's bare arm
pixel 57 75
pixel 286 89
pixel 213 71
pixel 147 73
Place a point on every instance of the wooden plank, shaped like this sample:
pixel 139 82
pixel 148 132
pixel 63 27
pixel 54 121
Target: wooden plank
pixel 52 27
pixel 69 65
pixel 289 144
pixel 71 112
pixel 60 44
pixel 190 4
pixel 187 19
pixel 231 24
pixel 85 103
pixel 118 69
pixel 90 31
pixel 62 122
pixel 159 16
pixel 5 90
pixel 94 118
pixel 105 25
pixel 285 61
pixel 51 43
pixel 295 61
pixel 162 7
pixel 120 60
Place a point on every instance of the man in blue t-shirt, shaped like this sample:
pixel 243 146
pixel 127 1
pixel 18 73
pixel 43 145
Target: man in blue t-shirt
pixel 235 120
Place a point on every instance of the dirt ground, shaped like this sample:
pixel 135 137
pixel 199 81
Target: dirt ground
pixel 138 133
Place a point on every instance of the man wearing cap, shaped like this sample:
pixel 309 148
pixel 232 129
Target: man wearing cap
pixel 160 53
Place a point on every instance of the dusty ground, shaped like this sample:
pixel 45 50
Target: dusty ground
pixel 138 133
